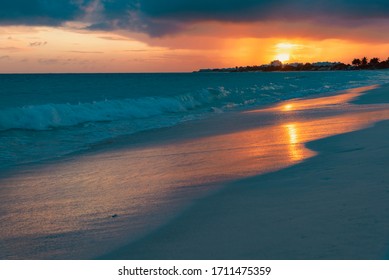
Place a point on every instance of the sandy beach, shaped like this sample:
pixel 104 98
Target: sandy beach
pixel 241 184
pixel 333 205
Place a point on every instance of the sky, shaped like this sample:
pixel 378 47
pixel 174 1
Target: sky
pixel 50 36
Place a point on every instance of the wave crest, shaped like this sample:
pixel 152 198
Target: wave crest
pixel 48 116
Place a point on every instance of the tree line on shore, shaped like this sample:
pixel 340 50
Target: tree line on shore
pixel 357 64
pixel 373 63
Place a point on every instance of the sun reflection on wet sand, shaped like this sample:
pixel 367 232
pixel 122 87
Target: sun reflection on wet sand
pixel 318 102
pixel 44 207
pixel 295 151
pixel 288 107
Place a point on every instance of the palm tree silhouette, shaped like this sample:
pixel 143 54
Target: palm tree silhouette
pixel 374 61
pixel 356 62
pixel 364 61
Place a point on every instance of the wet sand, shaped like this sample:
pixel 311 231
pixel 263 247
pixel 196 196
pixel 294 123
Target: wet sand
pixel 334 205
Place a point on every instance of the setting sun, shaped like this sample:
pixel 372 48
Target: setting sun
pixel 283 57
pixel 283 51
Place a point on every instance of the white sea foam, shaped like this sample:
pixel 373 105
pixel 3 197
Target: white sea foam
pixel 48 116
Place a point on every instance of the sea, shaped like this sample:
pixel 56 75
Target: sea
pixel 45 116
pixel 59 202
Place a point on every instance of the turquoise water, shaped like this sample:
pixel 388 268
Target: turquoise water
pixel 47 116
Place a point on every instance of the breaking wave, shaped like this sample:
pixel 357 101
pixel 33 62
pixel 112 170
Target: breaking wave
pixel 48 116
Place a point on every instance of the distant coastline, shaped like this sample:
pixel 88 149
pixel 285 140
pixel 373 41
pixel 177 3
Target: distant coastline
pixel 276 65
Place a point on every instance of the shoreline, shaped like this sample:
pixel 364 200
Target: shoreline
pixel 122 140
pixel 121 192
pixel 330 206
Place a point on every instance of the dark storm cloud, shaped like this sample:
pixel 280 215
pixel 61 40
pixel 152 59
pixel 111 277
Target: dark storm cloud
pixel 157 17
pixel 258 9
pixel 40 12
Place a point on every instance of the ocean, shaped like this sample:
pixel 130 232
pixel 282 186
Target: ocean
pixel 45 116
pixel 90 162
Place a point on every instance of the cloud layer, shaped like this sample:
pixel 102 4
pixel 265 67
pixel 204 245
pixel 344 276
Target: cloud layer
pixel 39 12
pixel 159 18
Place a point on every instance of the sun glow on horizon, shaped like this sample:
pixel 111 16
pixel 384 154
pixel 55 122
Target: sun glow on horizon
pixel 69 49
pixel 284 50
pixel 283 57
pixel 285 46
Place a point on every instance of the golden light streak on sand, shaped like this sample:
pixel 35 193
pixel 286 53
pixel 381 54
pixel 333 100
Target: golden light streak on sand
pixel 296 152
pixel 288 107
